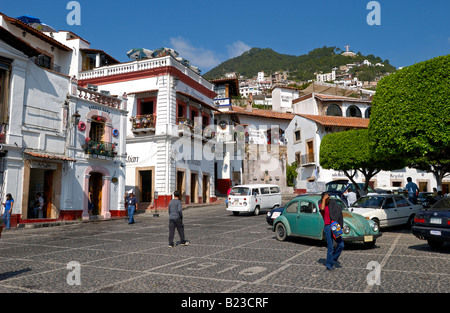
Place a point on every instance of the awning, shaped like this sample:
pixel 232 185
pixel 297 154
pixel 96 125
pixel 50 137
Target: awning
pixel 49 156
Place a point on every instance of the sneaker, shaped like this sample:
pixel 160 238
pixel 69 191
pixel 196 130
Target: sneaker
pixel 170 245
pixel 186 243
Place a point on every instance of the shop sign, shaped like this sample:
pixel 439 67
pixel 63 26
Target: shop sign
pixel 43 165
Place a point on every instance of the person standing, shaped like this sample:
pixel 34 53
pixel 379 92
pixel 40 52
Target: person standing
pixel 38 209
pixel 176 220
pixel 412 190
pixel 131 207
pixel 331 211
pixel 350 195
pixel 8 210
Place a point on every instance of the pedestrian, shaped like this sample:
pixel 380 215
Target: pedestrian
pixel 412 190
pixel 8 206
pixel 39 206
pixel 176 220
pixel 131 207
pixel 350 195
pixel 331 212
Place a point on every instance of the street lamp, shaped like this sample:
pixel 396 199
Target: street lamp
pixel 76 118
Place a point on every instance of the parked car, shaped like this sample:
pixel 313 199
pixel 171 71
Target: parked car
pixel 338 187
pixel 433 224
pixel 253 198
pixel 386 210
pixel 425 199
pixel 273 214
pixel 301 217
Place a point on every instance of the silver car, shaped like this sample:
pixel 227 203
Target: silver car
pixel 386 210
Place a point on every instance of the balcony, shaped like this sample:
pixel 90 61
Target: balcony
pixel 99 98
pixel 308 160
pixel 100 149
pixel 143 123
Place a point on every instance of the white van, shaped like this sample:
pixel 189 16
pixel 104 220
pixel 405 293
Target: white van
pixel 253 198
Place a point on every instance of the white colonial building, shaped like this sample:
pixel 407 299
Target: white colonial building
pixel 58 139
pixel 168 132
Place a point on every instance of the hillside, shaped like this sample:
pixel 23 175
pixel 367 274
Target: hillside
pixel 300 68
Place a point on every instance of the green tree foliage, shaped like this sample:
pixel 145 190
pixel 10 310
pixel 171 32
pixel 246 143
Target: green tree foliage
pixel 410 116
pixel 291 174
pixel 301 68
pixel 349 152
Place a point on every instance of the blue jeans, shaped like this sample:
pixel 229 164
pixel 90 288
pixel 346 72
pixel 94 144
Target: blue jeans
pixel 332 253
pixel 131 210
pixel 6 219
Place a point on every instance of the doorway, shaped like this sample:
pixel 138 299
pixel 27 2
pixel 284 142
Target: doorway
pixel 205 187
pixel 181 185
pixel 194 188
pixel 95 192
pixel 145 185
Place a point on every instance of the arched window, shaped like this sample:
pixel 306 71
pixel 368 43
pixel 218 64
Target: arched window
pixel 367 113
pixel 353 111
pixel 334 110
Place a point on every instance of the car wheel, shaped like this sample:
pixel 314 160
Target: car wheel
pixel 280 231
pixel 256 211
pixel 410 223
pixel 376 221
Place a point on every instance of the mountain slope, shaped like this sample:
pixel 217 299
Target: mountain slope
pixel 300 67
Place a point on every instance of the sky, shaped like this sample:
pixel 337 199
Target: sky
pixel 209 32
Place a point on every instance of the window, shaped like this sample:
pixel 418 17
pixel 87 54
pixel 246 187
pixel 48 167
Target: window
pixel 334 110
pixel 298 159
pixel 44 61
pixel 292 207
pixel 5 72
pixel 274 190
pixel 265 191
pixel 146 108
pixel 353 111
pixel 306 207
pixel 400 202
pixel 297 136
pixel 89 60
pixel 239 191
pixel 255 191
pixel 97 132
pixel 389 203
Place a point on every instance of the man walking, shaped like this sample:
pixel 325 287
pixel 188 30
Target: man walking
pixel 176 220
pixel 412 190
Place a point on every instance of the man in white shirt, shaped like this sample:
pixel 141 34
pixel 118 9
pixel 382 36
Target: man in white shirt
pixel 351 196
pixel 38 213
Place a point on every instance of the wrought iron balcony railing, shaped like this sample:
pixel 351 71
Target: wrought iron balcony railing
pixel 143 121
pixel 100 148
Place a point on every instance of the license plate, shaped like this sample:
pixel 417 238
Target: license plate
pixel 435 232
pixel 368 238
pixel 436 220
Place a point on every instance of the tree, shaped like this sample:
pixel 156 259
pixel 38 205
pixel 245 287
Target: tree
pixel 410 117
pixel 291 174
pixel 349 152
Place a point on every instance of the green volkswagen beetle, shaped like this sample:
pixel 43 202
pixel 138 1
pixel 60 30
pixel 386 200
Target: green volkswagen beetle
pixel 301 217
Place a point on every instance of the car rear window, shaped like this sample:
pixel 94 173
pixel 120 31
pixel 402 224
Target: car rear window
pixel 441 205
pixel 368 202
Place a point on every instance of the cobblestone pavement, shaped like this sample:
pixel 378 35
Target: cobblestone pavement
pixel 230 254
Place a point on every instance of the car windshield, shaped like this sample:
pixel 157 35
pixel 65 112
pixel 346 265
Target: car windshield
pixel 340 187
pixel 441 205
pixel 368 202
pixel 240 191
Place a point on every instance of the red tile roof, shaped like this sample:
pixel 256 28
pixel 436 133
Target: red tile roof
pixel 339 121
pixel 259 113
pixel 49 156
